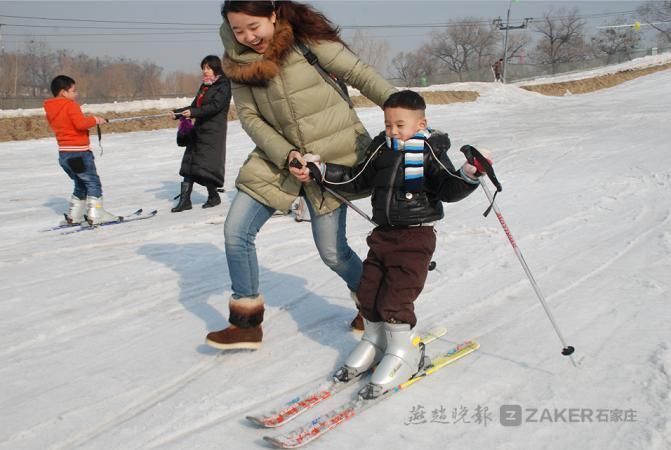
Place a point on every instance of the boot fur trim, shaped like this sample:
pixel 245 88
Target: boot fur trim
pixel 246 312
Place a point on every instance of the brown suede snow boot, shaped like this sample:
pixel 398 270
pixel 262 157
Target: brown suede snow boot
pixel 357 323
pixel 245 316
pixel 233 338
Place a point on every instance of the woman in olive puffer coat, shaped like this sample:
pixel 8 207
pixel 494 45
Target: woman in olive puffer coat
pixel 289 110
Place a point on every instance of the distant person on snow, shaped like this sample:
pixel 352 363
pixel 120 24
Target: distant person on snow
pixel 410 174
pixel 71 127
pixel 204 159
pixel 497 67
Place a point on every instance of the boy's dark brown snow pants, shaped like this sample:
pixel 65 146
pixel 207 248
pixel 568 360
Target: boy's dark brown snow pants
pixel 394 272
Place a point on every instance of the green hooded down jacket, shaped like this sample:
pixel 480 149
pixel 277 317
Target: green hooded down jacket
pixel 283 104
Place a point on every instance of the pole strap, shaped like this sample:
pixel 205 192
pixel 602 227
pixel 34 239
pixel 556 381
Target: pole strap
pixel 100 139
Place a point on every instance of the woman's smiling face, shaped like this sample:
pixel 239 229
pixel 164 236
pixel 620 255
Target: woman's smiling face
pixel 252 31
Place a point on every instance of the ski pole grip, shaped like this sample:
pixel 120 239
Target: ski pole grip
pixel 295 163
pixel 315 173
pixel 474 157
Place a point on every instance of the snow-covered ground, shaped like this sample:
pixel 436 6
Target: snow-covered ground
pixel 102 331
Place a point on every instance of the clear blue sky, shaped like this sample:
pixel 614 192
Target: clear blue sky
pixel 181 47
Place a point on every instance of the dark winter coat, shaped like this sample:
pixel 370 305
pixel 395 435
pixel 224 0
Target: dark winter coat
pixel 205 158
pixel 392 205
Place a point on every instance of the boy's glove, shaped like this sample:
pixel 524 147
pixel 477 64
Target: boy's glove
pixel 317 172
pixel 312 158
pixel 316 167
pixel 476 169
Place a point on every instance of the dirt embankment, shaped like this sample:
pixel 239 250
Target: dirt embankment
pixel 33 127
pixel 593 84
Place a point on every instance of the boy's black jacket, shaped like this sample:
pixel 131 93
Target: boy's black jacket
pixel 384 176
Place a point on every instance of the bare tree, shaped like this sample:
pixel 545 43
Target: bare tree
pixel 517 42
pixel 29 73
pixel 147 79
pixel 182 83
pixel 115 81
pixel 40 67
pixel 615 42
pixel 562 38
pixel 373 51
pixel 7 69
pixel 413 67
pixel 464 46
pixel 658 15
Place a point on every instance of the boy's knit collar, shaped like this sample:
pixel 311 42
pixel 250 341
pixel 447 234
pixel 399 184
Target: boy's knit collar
pixel 398 144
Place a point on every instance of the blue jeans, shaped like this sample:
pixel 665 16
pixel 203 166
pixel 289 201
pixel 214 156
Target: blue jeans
pixel 243 222
pixel 84 173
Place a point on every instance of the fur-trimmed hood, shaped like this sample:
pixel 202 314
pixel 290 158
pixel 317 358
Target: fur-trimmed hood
pixel 243 65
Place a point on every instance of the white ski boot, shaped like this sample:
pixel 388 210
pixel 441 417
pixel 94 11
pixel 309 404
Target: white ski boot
pixel 368 352
pixel 76 211
pixel 96 214
pixel 403 358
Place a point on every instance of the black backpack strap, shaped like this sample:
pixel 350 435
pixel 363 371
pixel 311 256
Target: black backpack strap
pixel 334 81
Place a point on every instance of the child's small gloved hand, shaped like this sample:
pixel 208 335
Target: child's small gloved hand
pixel 312 158
pixel 315 166
pixel 470 171
pixel 476 170
pixel 488 156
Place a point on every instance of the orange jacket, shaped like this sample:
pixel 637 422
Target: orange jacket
pixel 70 125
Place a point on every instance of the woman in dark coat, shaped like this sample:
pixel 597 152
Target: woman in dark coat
pixel 205 155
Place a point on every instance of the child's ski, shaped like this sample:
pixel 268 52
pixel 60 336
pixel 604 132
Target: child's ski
pixel 322 424
pixel 302 403
pixel 61 226
pixel 65 225
pixel 137 215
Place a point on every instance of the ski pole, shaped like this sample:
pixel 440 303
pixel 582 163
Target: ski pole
pixel 297 164
pixel 348 203
pixel 148 116
pixel 473 156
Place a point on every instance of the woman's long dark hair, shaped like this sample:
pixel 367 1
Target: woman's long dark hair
pixel 307 23
pixel 214 63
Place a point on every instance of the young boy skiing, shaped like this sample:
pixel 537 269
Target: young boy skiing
pixel 409 173
pixel 71 127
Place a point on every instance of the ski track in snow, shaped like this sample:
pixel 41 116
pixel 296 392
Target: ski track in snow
pixel 103 331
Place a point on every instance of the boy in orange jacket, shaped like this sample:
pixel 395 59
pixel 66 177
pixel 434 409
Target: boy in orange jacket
pixel 71 127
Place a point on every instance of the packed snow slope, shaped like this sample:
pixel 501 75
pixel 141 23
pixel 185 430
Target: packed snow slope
pixel 103 331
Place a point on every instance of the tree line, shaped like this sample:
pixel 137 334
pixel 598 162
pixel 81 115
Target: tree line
pixel 468 48
pixel 29 73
